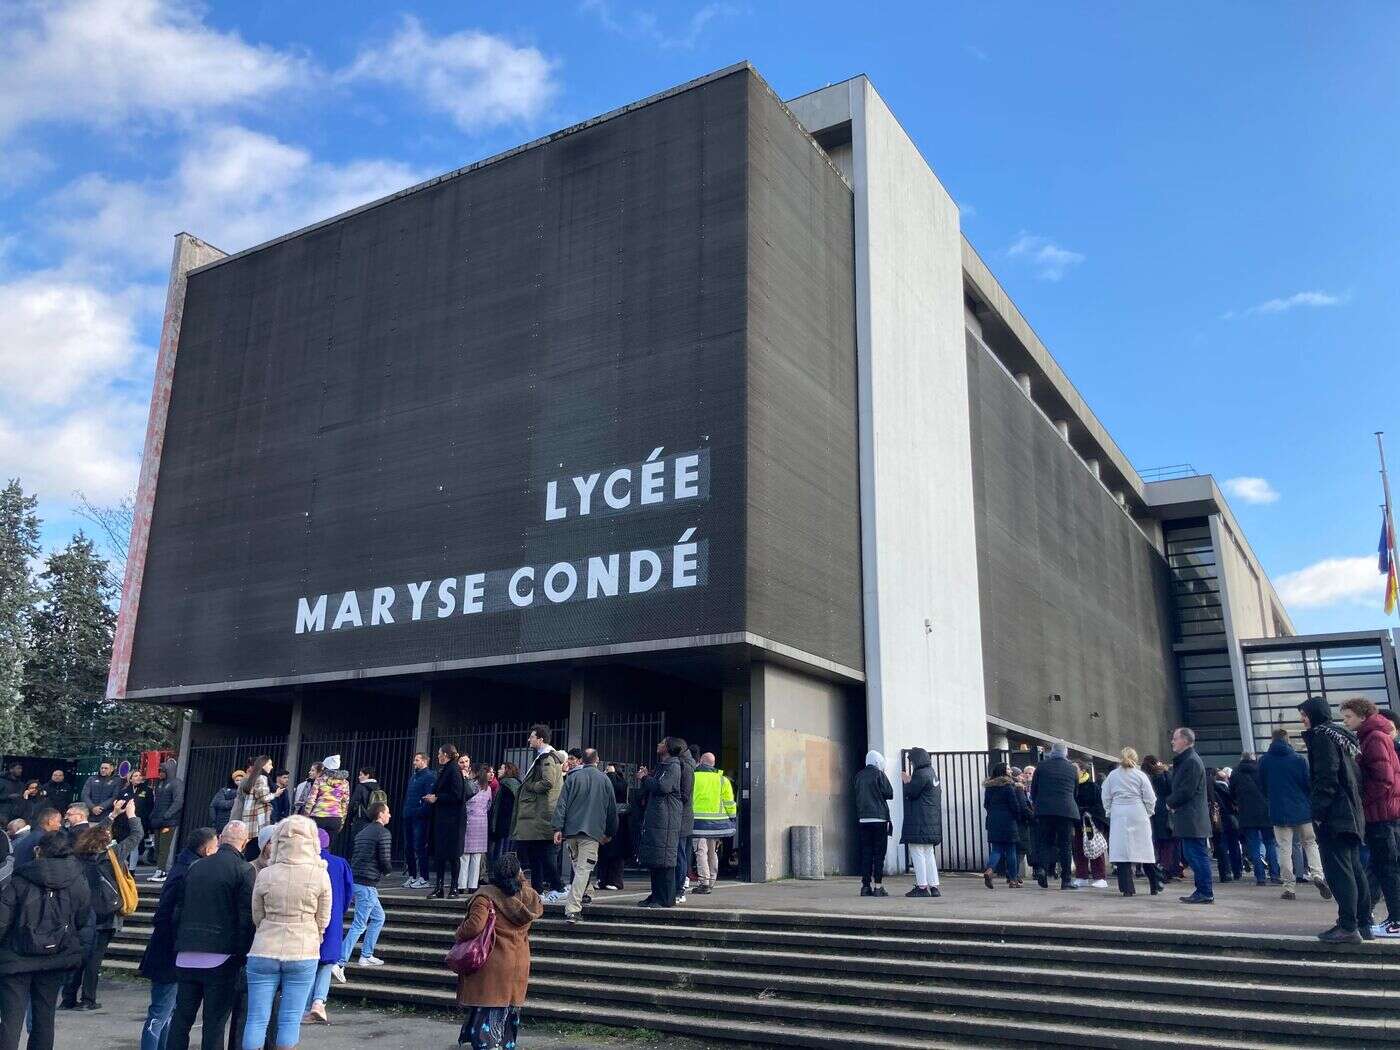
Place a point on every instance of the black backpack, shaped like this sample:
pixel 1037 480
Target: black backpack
pixel 43 927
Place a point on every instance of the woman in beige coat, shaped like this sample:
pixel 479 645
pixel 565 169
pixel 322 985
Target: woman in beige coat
pixel 291 909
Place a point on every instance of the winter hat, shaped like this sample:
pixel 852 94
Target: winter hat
pixel 1059 749
pixel 330 763
pixel 874 758
pixel 325 838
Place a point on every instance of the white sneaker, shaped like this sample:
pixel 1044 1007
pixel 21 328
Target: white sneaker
pixel 410 883
pixel 1386 929
pixel 680 899
pixel 338 972
pixel 158 876
pixel 556 897
pixel 686 888
pixel 371 960
pixel 1100 884
pixel 1078 884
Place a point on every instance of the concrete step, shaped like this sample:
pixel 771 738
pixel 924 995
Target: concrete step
pixel 930 1030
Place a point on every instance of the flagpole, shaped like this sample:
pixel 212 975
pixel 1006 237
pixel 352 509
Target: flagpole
pixel 1389 511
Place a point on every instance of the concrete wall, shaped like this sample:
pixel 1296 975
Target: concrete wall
pixel 1075 600
pixel 923 640
pixel 807 742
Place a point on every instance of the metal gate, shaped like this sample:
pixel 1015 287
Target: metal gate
pixel 625 740
pixel 208 768
pixel 961 774
pixel 390 755
pixel 494 742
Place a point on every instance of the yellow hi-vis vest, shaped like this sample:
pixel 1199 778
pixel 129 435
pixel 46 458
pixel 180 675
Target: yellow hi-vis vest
pixel 714 796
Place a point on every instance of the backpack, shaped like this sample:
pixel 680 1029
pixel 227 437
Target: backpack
pixel 377 795
pixel 43 928
pixel 124 883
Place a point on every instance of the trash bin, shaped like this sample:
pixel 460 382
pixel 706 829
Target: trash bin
pixel 807 852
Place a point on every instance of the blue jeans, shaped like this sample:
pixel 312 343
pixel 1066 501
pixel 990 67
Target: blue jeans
pixel 1005 860
pixel 321 987
pixel 416 845
pixel 156 1030
pixel 265 976
pixel 1263 852
pixel 1199 862
pixel 369 915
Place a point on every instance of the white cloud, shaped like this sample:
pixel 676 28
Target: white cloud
pixel 1312 300
pixel 105 62
pixel 1251 490
pixel 481 81
pixel 1332 581
pixel 644 24
pixel 61 336
pixel 977 53
pixel 1048 259
pixel 231 187
pixel 94 450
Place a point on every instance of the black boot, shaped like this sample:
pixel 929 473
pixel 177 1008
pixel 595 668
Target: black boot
pixel 437 893
pixel 1154 878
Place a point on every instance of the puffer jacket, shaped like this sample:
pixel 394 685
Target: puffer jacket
pixel 1250 803
pixel 167 798
pixel 661 823
pixel 538 795
pixel 329 796
pixel 1006 807
pixel 292 896
pixel 1380 771
pixel 923 803
pixel 872 789
pixel 64 878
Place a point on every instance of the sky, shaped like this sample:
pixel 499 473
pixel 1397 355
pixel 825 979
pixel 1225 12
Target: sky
pixel 1193 204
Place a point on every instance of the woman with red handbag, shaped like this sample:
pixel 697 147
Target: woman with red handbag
pixel 492 957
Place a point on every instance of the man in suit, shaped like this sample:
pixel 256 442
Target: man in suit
pixel 1190 810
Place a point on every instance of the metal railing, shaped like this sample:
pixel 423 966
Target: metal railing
pixel 626 740
pixel 389 754
pixel 208 768
pixel 497 742
pixel 1171 472
pixel 961 775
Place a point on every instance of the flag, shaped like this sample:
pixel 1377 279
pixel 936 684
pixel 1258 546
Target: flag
pixel 1386 561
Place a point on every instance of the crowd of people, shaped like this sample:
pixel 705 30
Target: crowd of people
pixel 250 928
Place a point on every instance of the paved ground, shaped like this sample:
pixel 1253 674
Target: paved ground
pixel 1239 906
pixel 117 1026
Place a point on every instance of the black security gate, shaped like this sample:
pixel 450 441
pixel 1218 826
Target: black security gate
pixel 390 755
pixel 497 742
pixel 208 768
pixel 961 774
pixel 625 740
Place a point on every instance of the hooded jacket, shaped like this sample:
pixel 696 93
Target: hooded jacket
pixel 292 896
pixel 419 784
pixel 661 823
pixel 329 797
pixel 873 790
pixel 11 798
pixel 538 795
pixel 1380 771
pixel 1250 801
pixel 167 798
pixel 65 878
pixel 342 892
pixel 100 790
pixel 1334 785
pixel 923 803
pixel 506 976
pixel 221 807
pixel 1005 806
pixel 688 767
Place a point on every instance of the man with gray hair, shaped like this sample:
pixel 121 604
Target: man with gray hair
pixel 1056 814
pixel 1190 812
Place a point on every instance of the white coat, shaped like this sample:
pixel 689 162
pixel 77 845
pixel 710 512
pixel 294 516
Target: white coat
pixel 1128 800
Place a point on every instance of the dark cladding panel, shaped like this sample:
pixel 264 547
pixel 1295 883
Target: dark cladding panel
pixel 1075 600
pixel 382 402
pixel 804 585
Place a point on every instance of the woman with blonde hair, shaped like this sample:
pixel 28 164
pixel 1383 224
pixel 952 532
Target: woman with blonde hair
pixel 291 910
pixel 1128 800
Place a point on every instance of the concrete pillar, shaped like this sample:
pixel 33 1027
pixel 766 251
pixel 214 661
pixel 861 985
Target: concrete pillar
pixel 423 741
pixel 294 741
pixel 1063 428
pixel 1122 499
pixel 1094 467
pixel 578 693
pixel 182 760
pixel 1023 380
pixel 997 739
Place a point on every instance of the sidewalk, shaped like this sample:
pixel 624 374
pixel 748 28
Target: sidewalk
pixel 117 1026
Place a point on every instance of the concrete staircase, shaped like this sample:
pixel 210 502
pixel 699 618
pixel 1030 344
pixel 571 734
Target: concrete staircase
pixel 807 980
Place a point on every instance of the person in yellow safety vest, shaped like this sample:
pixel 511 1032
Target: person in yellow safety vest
pixel 714 819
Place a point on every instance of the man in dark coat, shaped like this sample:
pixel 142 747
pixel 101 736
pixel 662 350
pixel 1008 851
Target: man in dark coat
pixel 1056 814
pixel 873 792
pixel 533 820
pixel 1190 809
pixel 661 824
pixel 1283 773
pixel 100 789
pixel 584 818
pixel 683 850
pixel 361 799
pixel 47 897
pixel 416 817
pixel 213 918
pixel 12 793
pixel 1252 808
pixel 167 803
pixel 57 791
pixel 158 960
pixel 447 800
pixel 1335 796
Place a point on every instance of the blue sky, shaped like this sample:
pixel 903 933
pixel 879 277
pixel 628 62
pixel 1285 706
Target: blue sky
pixel 1193 204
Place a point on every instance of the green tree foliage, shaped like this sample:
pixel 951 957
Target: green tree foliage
pixel 65 677
pixel 19 548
